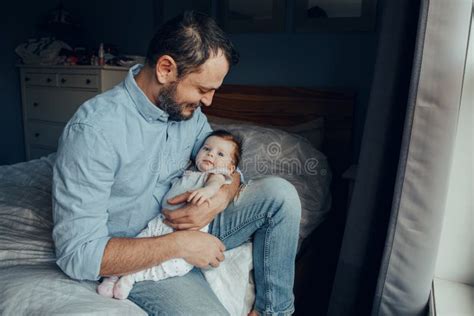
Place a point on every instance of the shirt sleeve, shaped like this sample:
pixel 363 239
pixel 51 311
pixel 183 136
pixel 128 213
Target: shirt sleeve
pixel 83 176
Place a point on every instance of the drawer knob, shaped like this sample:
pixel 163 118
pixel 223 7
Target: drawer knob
pixel 27 79
pixel 35 104
pixel 48 80
pixel 37 135
pixel 63 80
pixel 88 81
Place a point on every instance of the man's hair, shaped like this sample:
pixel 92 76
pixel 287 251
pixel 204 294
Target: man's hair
pixel 237 141
pixel 189 39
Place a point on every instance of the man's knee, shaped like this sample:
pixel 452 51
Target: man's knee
pixel 279 188
pixel 282 192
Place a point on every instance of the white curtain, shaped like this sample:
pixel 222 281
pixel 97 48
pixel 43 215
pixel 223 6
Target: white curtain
pixel 395 217
pixel 430 131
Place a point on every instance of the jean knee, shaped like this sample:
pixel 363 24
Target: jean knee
pixel 284 193
pixel 279 188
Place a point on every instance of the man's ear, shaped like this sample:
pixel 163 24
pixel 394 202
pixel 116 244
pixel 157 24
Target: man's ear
pixel 166 70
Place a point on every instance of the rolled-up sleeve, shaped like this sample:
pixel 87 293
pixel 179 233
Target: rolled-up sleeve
pixel 82 180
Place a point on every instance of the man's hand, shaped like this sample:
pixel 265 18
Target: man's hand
pixel 200 249
pixel 202 195
pixel 192 216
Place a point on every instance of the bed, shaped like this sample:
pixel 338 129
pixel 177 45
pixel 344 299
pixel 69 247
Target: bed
pixel 269 119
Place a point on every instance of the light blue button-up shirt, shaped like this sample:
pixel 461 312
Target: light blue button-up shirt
pixel 116 159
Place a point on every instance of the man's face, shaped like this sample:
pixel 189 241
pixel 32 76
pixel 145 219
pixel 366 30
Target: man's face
pixel 181 98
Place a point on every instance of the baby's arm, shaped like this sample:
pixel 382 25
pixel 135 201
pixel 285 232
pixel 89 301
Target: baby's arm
pixel 213 184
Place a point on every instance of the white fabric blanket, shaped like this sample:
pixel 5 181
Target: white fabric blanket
pixel 232 281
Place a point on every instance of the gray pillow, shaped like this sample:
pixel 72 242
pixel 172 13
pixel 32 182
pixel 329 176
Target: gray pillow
pixel 269 151
pixel 312 130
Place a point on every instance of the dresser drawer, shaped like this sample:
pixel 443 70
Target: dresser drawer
pixel 54 105
pixel 43 134
pixel 78 81
pixel 36 79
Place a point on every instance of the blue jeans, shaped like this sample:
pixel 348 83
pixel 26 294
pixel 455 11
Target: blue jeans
pixel 267 210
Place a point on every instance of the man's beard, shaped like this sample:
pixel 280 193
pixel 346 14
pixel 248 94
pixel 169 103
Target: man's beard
pixel 169 105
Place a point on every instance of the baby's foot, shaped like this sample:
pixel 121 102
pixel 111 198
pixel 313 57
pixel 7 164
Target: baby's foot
pixel 106 287
pixel 123 287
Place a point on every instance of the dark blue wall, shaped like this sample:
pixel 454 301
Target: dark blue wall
pixel 341 60
pixel 335 60
pixel 18 22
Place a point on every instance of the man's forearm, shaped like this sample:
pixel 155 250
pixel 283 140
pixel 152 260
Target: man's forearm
pixel 127 255
pixel 230 190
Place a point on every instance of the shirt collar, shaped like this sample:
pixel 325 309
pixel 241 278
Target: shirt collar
pixel 145 107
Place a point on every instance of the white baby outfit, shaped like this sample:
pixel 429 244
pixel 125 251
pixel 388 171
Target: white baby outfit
pixel 191 180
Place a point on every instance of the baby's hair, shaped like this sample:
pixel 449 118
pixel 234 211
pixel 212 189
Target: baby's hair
pixel 237 141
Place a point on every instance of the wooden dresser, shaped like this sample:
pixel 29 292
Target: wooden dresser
pixel 52 94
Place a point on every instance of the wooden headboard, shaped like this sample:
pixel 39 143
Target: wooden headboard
pixel 285 106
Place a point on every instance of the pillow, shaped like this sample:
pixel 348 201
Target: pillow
pixel 269 151
pixel 312 130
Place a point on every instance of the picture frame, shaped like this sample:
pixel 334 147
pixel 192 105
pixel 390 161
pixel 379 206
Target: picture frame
pixel 244 16
pixel 330 15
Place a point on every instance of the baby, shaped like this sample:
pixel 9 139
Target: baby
pixel 215 163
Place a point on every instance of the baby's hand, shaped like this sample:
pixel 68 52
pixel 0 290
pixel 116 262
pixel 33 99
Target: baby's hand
pixel 200 196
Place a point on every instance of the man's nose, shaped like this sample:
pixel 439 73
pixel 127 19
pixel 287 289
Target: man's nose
pixel 207 98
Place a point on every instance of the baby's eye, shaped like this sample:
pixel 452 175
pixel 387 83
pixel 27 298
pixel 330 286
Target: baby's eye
pixel 205 148
pixel 221 154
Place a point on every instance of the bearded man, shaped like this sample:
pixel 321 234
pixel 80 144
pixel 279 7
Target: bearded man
pixel 117 157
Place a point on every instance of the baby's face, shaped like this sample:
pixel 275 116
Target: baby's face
pixel 216 153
